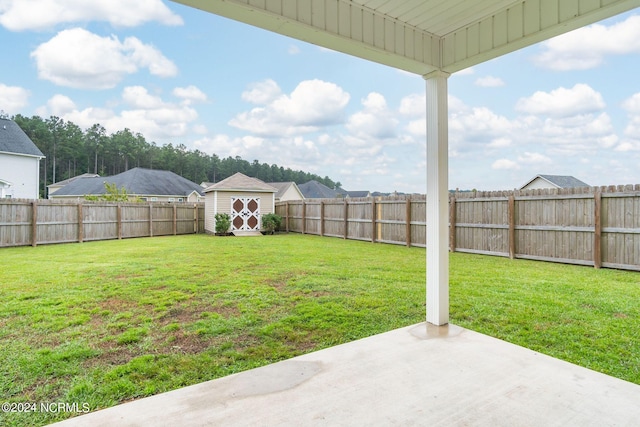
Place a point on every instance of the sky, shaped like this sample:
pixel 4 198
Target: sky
pixel 568 106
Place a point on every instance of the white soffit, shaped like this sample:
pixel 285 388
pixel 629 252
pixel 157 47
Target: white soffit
pixel 419 36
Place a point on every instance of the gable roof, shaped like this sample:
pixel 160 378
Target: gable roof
pixel 137 181
pixel 559 181
pixel 70 180
pixel 14 140
pixel 241 182
pixel 315 190
pixel 282 188
pixel 361 193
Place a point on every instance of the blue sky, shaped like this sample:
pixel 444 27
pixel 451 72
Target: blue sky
pixel 569 106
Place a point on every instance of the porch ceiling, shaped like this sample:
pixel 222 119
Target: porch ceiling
pixel 419 36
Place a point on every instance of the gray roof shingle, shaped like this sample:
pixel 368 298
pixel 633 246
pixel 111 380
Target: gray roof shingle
pixel 137 181
pixel 564 181
pixel 315 190
pixel 239 181
pixel 14 140
pixel 558 181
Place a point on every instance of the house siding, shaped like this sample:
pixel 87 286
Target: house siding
pixel 538 183
pixel 290 194
pixel 23 174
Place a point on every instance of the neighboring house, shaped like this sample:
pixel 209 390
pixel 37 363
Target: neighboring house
pixel 146 184
pixel 359 193
pixel 19 162
pixel 52 188
pixel 243 198
pixel 316 190
pixel 287 191
pixel 553 181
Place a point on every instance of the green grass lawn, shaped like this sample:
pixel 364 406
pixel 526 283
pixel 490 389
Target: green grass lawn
pixel 106 322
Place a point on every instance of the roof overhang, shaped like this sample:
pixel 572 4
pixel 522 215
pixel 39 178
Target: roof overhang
pixel 237 190
pixel 419 36
pixel 35 156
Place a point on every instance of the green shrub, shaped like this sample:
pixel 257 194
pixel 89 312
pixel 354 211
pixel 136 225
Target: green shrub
pixel 223 222
pixel 271 222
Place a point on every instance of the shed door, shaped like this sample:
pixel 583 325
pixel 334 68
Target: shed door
pixel 245 213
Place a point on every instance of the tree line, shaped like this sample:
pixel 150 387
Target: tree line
pixel 71 151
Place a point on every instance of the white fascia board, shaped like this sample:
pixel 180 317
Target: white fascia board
pixel 521 25
pixel 23 155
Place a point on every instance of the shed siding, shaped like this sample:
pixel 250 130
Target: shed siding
pixel 224 204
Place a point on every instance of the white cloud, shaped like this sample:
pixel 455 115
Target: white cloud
pixel 293 152
pixel 632 104
pixel 504 164
pixel 311 105
pixel 80 59
pixel 157 119
pixel 489 81
pixel 587 47
pixel 293 49
pixel 13 99
pixel 20 15
pixel 190 94
pixel 414 105
pixel 562 102
pixel 262 93
pixel 500 142
pixel 631 141
pixel 58 105
pixel 534 158
pixel 375 120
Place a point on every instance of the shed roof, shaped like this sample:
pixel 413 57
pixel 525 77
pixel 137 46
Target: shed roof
pixel 14 140
pixel 560 181
pixel 241 182
pixel 137 181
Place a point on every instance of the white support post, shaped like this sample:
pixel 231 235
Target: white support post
pixel 437 199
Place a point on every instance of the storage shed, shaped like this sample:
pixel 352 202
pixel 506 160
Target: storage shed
pixel 244 198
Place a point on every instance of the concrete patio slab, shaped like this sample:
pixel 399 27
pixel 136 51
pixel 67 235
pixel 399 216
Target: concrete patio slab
pixel 415 376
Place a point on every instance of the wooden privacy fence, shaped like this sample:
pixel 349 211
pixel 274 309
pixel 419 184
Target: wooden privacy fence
pixel 36 222
pixel 597 226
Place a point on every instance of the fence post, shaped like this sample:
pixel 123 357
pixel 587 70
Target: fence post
pixel 150 219
pixel 321 218
pixel 373 220
pixel 346 219
pixel 452 223
pixel 286 216
pixel 597 235
pixel 304 217
pixel 195 218
pixel 80 224
pixel 34 224
pixel 408 219
pixel 175 219
pixel 511 213
pixel 119 220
